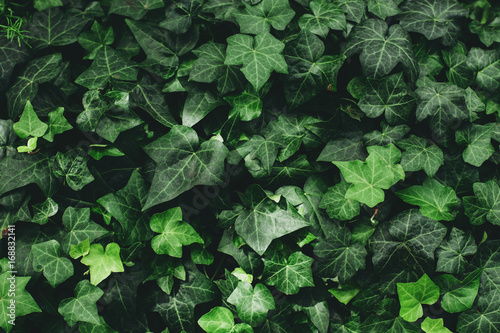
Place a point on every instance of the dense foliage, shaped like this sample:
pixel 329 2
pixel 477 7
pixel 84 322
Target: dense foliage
pixel 251 165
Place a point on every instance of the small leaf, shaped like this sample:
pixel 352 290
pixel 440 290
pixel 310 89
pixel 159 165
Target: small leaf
pixel 218 320
pixel 47 257
pixel 452 251
pixel 82 307
pixel 412 295
pixel 103 262
pixel 57 124
pixel 325 16
pixel 337 205
pixel 30 124
pixel 288 274
pixel 80 250
pixel 255 19
pixel 252 304
pixel 43 211
pixel 77 222
pixel 434 326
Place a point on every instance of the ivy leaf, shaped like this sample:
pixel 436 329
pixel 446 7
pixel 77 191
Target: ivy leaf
pixel 195 164
pixel 418 155
pixel 433 19
pixel 441 100
pixel 95 39
pixel 80 250
pixel 135 9
pixel 47 257
pixel 255 19
pixel 252 304
pixel 337 205
pixel 259 55
pixel 246 105
pixel 29 124
pixel 487 259
pixel 484 317
pixel 353 9
pixel 73 169
pixel 344 149
pixel 458 295
pixel 389 96
pixel 44 4
pixel 326 16
pixel 382 48
pixel 57 124
pixel 452 251
pixel 108 65
pixel 103 262
pixel 389 134
pixel 220 320
pixel 288 274
pixel 459 72
pixel 408 239
pixel 25 304
pixel 379 171
pixel 383 9
pixel 179 15
pixel 434 199
pixel 25 88
pixel 413 294
pixel 80 227
pixel 199 103
pixel 43 211
pixel 174 233
pixel 210 67
pixel 487 67
pixel 485 205
pixel 11 53
pixel 126 206
pixel 264 220
pixel 310 72
pixel 478 140
pixel 386 319
pixel 82 307
pixel 52 27
pixel 434 326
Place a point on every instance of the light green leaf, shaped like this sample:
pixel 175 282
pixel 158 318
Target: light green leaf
pixel 73 168
pixel 288 274
pixel 43 211
pixel 451 252
pixel 413 294
pixel 174 233
pixel 44 4
pixel 337 205
pixel 434 199
pixel 379 171
pixel 103 262
pixel 458 295
pixel 57 124
pixel 382 48
pixel 30 146
pixel 252 304
pixel 344 294
pixel 135 9
pixel 218 320
pixel 95 39
pixel 418 155
pixel 108 65
pixel 47 257
pixel 196 164
pixel 80 227
pixel 434 326
pixel 326 16
pixel 80 250
pixel 29 124
pixel 259 55
pixel 255 19
pixel 82 307
pixel 478 140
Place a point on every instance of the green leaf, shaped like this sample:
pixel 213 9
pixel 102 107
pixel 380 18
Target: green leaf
pixel 407 240
pixel 25 87
pixel 326 16
pixel 135 9
pixel 379 171
pixel 337 205
pixel 199 103
pixel 382 48
pixel 288 274
pixel 418 155
pixel 488 31
pixel 478 140
pixel 388 95
pixel 310 72
pixel 73 168
pixel 386 319
pixel 82 307
pixel 220 320
pixel 344 149
pixel 255 19
pixel 319 315
pixel 29 124
pixel 103 262
pixel 264 220
pixel 57 124
pixel 108 65
pixel 487 67
pixel 80 250
pixel 339 256
pixel 252 304
pixel 354 9
pixel 458 295
pixel 413 294
pixel 485 205
pixel 52 27
pixel 246 105
pixel 210 67
pixel 30 146
pixel 126 206
pixel 43 211
pixel 80 228
pixel 174 233
pixel 383 9
pixel 11 54
pixel 196 164
pixel 389 134
pixel 434 199
pixel 453 249
pixel 95 39
pixel 24 302
pixel 434 326
pixel 179 15
pixel 44 4
pixel 47 257
pixel 433 19
pixel 259 55
pixel 484 317
pixel 487 259
pixel 459 72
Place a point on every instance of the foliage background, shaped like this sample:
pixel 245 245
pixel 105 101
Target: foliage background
pixel 251 166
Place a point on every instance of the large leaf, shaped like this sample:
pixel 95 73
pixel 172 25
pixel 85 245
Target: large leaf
pixel 255 19
pixel 182 163
pixel 487 67
pixel 80 227
pixel 485 205
pixel 488 260
pixel 458 295
pixel 47 257
pixel 82 307
pixel 413 294
pixel 382 48
pixel 478 140
pixel 252 303
pixel 288 274
pixel 484 317
pixel 96 39
pixel 259 55
pixel 103 262
pixel 453 249
pixel 418 155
